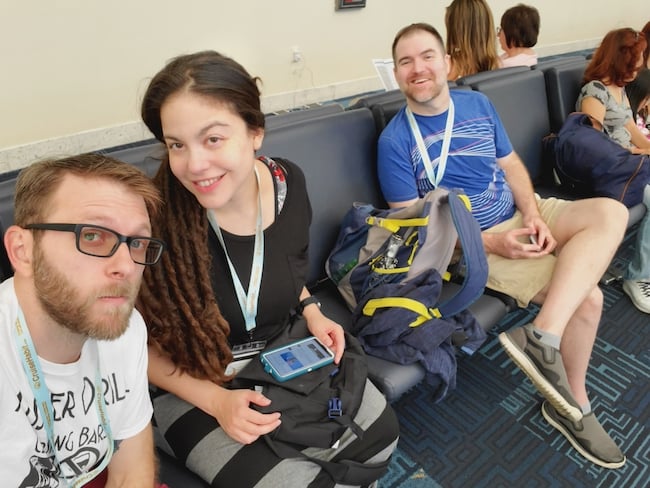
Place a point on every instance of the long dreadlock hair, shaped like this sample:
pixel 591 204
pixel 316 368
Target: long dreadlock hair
pixel 176 299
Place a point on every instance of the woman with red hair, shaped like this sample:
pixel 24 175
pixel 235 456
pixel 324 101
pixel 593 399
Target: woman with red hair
pixel 646 52
pixel 617 62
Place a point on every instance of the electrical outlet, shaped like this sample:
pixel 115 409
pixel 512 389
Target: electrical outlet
pixel 296 54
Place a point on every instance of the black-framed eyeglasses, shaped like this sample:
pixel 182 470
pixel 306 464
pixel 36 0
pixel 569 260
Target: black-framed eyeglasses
pixel 102 242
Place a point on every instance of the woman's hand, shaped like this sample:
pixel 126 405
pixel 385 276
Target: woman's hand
pixel 636 150
pixel 232 410
pixel 327 331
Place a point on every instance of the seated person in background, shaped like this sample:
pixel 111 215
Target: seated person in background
pixel 551 269
pixel 616 63
pixel 646 51
pixel 638 93
pixel 471 41
pixel 230 217
pixel 74 393
pixel 517 35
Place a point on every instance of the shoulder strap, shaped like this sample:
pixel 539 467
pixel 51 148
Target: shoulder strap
pixel 434 179
pixel 344 471
pixel 474 261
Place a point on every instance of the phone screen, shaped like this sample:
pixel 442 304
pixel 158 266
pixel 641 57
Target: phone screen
pixel 299 357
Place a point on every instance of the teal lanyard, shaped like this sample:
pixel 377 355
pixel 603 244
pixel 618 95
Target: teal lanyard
pixel 247 301
pixel 36 378
pixel 424 153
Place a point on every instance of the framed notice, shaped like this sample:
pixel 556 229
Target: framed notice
pixel 350 4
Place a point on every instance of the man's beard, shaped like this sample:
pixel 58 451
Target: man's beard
pixel 423 97
pixel 67 307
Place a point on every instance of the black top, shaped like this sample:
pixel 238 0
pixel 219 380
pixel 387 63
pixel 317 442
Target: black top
pixel 285 259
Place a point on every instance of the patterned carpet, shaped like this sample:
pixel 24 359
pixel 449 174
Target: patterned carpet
pixel 489 432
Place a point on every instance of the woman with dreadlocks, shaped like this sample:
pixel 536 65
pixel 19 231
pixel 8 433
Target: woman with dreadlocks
pixel 237 230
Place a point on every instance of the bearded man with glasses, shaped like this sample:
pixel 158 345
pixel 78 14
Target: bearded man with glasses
pixel 73 357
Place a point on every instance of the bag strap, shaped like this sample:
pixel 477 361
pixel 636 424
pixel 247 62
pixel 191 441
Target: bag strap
pixel 394 225
pixel 345 471
pixel 424 313
pixel 474 260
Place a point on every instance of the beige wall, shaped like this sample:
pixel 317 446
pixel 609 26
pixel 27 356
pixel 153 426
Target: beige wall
pixel 74 70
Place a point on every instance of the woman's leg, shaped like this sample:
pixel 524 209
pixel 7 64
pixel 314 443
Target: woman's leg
pixel 195 438
pixel 637 279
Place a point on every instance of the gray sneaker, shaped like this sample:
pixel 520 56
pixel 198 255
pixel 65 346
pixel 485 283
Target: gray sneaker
pixel 639 293
pixel 543 365
pixel 587 437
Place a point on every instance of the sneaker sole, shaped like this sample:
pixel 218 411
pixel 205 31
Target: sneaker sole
pixel 630 295
pixel 542 384
pixel 576 445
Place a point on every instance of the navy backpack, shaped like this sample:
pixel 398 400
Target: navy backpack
pixel 591 164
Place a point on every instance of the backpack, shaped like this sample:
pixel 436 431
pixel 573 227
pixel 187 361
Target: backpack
pixel 590 163
pixel 377 247
pixel 316 407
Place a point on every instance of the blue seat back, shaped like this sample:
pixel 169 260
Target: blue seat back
pixel 563 84
pixel 520 100
pixel 337 153
pixel 470 80
pixel 145 155
pixel 288 118
pixel 548 63
pixel 7 193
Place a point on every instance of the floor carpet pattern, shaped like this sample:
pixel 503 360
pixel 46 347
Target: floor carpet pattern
pixel 489 432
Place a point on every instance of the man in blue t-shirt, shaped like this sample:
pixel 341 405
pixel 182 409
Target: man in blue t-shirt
pixel 536 248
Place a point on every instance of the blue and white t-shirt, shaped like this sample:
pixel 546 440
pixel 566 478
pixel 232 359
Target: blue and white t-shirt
pixel 478 139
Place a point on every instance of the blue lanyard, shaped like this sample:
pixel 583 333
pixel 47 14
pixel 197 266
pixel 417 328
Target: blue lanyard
pixel 434 179
pixel 36 378
pixel 247 301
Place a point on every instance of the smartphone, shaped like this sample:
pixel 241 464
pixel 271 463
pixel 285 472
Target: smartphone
pixel 296 358
pixel 533 239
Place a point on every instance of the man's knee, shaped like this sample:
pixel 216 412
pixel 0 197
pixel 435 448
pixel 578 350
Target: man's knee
pixel 612 215
pixel 591 307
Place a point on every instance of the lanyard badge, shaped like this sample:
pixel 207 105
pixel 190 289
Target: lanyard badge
pixel 247 301
pixel 36 379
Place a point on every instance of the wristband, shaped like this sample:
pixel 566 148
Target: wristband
pixel 307 301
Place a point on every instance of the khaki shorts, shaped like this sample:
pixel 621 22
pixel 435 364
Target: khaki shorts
pixel 522 279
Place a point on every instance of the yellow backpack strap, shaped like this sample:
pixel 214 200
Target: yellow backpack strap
pixel 465 199
pixel 424 313
pixel 394 225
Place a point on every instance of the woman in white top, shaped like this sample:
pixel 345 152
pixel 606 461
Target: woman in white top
pixel 517 35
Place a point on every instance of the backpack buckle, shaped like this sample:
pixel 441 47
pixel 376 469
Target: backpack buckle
pixel 335 408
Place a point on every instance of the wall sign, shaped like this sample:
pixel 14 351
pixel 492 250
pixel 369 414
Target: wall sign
pixel 350 4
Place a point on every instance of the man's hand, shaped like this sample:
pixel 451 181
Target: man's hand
pixel 517 243
pixel 542 233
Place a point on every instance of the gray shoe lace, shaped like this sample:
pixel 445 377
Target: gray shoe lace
pixel 645 288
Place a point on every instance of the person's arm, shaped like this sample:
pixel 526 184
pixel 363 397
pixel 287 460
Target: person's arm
pixel 640 141
pixel 406 203
pixel 394 169
pixel 508 244
pixel 323 328
pixel 231 408
pixel 593 107
pixel 133 463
